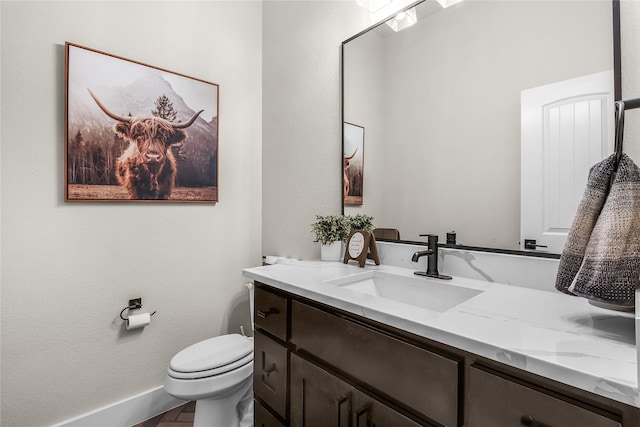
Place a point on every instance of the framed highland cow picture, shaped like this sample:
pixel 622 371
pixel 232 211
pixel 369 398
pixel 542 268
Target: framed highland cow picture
pixel 353 163
pixel 136 132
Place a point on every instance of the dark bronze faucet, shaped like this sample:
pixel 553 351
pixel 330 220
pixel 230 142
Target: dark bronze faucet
pixel 432 258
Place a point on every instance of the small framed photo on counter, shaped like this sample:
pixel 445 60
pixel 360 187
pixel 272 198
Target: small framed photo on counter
pixel 361 246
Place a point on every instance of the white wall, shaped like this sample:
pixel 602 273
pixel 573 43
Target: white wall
pixel 69 268
pixel 301 118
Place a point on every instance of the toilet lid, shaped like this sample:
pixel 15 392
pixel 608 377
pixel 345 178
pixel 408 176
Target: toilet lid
pixel 212 353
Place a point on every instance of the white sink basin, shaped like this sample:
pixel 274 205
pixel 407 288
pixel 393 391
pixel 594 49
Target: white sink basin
pixel 433 294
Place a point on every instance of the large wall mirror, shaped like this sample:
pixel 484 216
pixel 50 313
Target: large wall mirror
pixel 440 108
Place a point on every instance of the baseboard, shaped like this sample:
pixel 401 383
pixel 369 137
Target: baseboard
pixel 127 412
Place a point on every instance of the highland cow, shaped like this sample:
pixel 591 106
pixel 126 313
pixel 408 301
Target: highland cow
pixel 347 175
pixel 147 168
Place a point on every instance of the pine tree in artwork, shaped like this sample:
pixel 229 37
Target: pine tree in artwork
pixel 75 153
pixel 164 109
pixel 78 140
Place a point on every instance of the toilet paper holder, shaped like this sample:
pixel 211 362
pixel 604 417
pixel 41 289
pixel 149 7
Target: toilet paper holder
pixel 134 304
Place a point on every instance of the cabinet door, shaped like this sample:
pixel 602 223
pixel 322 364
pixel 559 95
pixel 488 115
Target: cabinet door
pixel 270 372
pixel 494 400
pixel 263 418
pixel 318 399
pixel 369 412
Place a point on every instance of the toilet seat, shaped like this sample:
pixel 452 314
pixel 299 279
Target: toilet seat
pixel 212 357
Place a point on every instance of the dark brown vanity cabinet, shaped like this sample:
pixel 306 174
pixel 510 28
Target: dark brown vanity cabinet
pixel 302 352
pixel 316 366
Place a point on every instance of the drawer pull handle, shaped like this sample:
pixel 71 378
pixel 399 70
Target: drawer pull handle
pixel 269 370
pixel 263 314
pixel 528 421
pixel 345 398
pixel 361 416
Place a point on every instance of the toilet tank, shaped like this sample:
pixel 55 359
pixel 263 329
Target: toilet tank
pixel 250 287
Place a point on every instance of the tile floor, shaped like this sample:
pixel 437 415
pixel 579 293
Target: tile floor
pixel 182 416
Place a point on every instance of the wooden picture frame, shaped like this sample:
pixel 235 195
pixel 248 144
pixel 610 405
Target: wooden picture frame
pixel 353 164
pixel 361 245
pixel 135 132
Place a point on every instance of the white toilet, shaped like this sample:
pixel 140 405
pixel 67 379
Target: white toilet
pixel 217 373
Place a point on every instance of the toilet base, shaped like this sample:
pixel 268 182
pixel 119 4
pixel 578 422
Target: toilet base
pixel 245 410
pixel 221 412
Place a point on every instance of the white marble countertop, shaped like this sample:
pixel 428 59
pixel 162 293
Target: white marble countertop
pixel 547 333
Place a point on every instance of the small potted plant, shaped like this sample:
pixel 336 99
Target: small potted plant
pixel 331 231
pixel 360 222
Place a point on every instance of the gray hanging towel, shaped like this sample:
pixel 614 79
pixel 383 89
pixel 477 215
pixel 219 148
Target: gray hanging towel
pixel 608 269
pixel 583 223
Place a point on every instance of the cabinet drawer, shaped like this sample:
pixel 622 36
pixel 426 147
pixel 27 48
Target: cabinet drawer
pixel 422 380
pixel 494 400
pixel 271 313
pixel 264 418
pixel 270 373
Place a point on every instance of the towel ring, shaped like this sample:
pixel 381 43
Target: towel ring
pixel 620 107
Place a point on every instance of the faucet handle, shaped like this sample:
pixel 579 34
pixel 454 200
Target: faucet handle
pixel 432 238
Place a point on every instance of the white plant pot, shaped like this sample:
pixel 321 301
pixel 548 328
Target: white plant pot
pixel 331 252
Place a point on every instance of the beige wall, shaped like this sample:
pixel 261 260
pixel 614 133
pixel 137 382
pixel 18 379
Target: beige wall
pixel 301 129
pixel 69 268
